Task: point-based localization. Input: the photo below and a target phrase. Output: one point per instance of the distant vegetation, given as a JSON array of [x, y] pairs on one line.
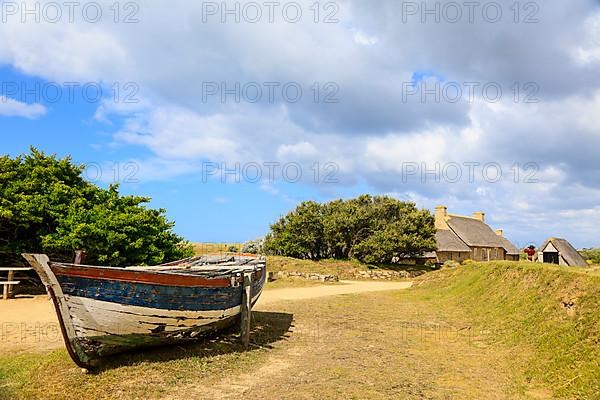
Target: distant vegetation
[[592, 255], [253, 246], [46, 206], [375, 230]]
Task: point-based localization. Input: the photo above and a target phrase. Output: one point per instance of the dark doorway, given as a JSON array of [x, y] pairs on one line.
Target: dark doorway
[[551, 257]]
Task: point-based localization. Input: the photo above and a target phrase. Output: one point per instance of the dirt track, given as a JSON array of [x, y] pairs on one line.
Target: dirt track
[[30, 324], [347, 287]]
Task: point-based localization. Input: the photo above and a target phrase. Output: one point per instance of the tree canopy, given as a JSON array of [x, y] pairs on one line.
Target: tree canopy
[[373, 229], [47, 206]]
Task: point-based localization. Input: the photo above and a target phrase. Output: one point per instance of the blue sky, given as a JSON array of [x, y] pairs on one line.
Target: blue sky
[[358, 117], [217, 209]]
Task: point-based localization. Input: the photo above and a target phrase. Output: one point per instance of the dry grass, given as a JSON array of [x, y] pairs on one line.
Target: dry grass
[[593, 269], [551, 309], [371, 346]]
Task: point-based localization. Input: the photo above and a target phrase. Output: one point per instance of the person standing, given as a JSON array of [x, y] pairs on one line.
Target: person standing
[[530, 251]]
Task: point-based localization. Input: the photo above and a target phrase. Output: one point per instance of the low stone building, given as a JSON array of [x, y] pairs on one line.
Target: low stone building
[[560, 251], [462, 238]]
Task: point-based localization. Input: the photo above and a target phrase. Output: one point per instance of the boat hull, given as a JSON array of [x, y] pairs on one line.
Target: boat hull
[[105, 311]]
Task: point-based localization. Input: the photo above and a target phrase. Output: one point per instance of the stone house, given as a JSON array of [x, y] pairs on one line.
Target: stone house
[[462, 238]]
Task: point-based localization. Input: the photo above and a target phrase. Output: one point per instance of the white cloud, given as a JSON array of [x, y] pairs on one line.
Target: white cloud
[[372, 129], [175, 133], [363, 39], [13, 108], [302, 150], [589, 51]]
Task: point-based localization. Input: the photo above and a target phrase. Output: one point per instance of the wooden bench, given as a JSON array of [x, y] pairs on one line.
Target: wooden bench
[[10, 282]]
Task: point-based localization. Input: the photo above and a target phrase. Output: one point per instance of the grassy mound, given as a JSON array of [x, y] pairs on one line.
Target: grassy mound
[[555, 311], [345, 269]]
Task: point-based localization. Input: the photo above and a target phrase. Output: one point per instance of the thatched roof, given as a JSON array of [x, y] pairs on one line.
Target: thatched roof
[[448, 241], [456, 233], [566, 251], [474, 232], [509, 247]]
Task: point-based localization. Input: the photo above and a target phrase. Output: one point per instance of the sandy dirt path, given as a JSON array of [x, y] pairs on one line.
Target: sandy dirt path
[[311, 292], [30, 324]]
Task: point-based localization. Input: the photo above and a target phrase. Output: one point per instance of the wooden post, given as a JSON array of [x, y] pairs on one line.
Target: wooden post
[[11, 277], [79, 257], [5, 292], [246, 310]]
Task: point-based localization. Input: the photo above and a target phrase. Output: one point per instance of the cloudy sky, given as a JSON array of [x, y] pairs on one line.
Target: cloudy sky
[[227, 115]]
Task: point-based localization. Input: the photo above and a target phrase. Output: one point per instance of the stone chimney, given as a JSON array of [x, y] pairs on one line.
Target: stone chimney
[[479, 215], [441, 212], [499, 232]]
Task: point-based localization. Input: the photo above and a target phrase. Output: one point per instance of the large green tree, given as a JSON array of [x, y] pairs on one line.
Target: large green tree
[[46, 206], [300, 233], [373, 229]]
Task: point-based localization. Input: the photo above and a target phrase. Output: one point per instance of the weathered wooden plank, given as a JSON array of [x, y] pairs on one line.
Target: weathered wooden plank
[[246, 310], [91, 317], [129, 275]]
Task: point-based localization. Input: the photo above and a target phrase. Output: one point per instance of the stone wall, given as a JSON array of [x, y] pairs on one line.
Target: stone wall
[[374, 274], [384, 274]]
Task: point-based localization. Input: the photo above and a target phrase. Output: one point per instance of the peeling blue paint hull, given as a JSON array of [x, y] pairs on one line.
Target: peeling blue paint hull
[[105, 311]]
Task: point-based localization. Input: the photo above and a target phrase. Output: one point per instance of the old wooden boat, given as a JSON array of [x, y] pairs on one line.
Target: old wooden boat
[[105, 310]]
